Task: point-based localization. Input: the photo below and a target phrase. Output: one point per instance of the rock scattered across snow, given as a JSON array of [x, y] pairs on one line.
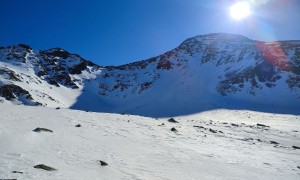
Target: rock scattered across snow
[[135, 150]]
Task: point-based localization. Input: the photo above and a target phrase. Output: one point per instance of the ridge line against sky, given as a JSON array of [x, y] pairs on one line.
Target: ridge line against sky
[[115, 32]]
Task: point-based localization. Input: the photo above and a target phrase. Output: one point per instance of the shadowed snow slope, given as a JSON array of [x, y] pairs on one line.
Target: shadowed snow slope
[[206, 72], [220, 144]]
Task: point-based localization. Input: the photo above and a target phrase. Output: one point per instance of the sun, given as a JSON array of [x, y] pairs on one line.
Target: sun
[[240, 10]]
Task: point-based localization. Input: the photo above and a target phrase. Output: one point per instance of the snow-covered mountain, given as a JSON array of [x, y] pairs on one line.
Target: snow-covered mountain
[[205, 72]]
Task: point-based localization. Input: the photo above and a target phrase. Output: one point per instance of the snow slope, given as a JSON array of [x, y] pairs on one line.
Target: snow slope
[[218, 144]]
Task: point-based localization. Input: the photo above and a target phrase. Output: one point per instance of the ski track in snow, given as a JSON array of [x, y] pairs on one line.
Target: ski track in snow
[[137, 147]]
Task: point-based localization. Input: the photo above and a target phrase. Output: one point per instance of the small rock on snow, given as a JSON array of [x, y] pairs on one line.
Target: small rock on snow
[[213, 131], [17, 172], [262, 125], [44, 167], [172, 120], [102, 163], [38, 129], [274, 142]]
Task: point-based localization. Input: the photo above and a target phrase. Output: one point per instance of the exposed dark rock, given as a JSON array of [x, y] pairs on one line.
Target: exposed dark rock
[[10, 90], [42, 129], [66, 80], [173, 129], [25, 46], [164, 64], [78, 125], [78, 68], [10, 74], [293, 82], [44, 167], [234, 81], [102, 163], [53, 82], [57, 52], [172, 120], [295, 147], [57, 108], [41, 73], [145, 86]]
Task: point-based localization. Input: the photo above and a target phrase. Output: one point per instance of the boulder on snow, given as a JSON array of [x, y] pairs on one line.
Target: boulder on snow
[[44, 167], [173, 129], [172, 120], [78, 125], [38, 129], [102, 163]]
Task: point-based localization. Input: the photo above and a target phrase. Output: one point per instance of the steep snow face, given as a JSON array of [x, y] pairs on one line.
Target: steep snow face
[[219, 144], [205, 72]]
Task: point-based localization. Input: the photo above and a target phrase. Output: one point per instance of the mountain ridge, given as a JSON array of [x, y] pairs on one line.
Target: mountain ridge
[[204, 72]]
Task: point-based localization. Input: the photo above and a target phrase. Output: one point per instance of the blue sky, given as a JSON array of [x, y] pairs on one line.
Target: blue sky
[[114, 32]]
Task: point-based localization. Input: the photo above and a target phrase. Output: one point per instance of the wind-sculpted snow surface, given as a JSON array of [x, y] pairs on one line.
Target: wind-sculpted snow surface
[[203, 73], [219, 144]]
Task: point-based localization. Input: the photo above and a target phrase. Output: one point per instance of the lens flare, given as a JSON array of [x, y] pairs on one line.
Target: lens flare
[[240, 10]]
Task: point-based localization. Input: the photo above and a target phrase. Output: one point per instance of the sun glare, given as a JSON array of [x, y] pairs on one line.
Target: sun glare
[[240, 10]]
